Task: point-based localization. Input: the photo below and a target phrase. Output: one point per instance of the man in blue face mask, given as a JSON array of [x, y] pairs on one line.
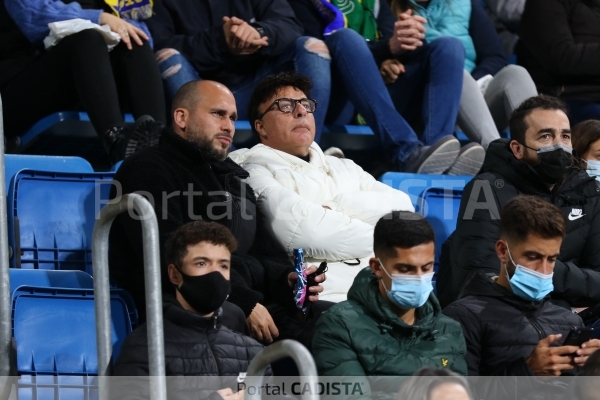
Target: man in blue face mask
[[511, 327], [391, 323]]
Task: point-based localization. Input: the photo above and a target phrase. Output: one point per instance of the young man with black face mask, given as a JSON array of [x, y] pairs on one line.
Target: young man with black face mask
[[196, 343], [537, 161], [391, 324], [510, 326]]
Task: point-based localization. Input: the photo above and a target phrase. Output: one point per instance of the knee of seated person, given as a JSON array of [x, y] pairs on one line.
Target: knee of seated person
[[164, 54], [90, 38], [515, 72], [448, 45], [346, 35], [172, 55], [318, 47]]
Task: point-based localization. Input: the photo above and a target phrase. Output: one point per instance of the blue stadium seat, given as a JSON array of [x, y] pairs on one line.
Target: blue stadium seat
[[17, 162], [415, 184], [50, 278], [51, 217]]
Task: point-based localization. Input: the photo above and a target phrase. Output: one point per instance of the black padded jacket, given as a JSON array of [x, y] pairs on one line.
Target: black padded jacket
[[471, 247]]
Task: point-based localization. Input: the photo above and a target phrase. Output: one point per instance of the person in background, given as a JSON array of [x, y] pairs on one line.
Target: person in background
[[587, 385], [560, 47], [506, 15], [80, 72], [435, 384], [491, 89], [586, 144]]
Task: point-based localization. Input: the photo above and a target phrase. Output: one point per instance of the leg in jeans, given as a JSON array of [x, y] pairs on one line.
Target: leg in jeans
[[354, 63], [474, 116], [509, 88], [434, 74], [175, 70], [581, 110], [307, 56], [138, 80], [75, 72]]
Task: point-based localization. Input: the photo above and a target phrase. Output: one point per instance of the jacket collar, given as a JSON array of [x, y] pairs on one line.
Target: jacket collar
[[193, 155], [268, 155], [365, 291], [175, 313]]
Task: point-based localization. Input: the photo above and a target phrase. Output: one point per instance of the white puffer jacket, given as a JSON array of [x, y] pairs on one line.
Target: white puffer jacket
[[293, 194]]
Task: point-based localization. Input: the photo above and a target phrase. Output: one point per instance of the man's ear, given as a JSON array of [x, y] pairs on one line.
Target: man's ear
[[260, 128], [502, 251], [518, 149], [375, 266], [180, 118], [174, 275]]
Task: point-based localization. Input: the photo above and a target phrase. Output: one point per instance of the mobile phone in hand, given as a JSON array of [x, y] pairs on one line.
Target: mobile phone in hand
[[578, 336]]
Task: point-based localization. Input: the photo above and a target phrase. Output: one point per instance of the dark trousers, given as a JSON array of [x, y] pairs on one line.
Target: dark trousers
[[80, 72]]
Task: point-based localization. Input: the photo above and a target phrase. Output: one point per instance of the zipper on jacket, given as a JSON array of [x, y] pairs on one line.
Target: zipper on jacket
[[211, 350], [537, 327]]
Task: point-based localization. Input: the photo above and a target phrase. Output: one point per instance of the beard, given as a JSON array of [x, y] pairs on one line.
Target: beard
[[530, 157], [210, 152]]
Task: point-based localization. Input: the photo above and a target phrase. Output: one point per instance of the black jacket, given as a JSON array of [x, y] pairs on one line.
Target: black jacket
[[560, 47], [490, 55], [195, 29], [184, 188], [502, 329], [194, 346], [472, 246]]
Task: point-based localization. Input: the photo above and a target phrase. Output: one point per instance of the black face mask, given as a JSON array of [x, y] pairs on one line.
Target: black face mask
[[553, 164], [205, 293]]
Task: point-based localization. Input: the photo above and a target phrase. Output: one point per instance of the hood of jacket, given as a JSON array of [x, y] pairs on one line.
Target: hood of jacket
[[365, 291]]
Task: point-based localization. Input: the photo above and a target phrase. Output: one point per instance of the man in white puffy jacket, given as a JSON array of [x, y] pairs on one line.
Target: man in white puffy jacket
[[325, 205]]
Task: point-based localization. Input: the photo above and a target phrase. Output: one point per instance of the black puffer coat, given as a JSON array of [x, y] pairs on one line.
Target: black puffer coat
[[194, 346], [472, 246]]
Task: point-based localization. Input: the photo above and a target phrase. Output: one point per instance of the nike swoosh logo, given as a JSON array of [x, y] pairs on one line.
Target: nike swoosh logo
[[574, 217]]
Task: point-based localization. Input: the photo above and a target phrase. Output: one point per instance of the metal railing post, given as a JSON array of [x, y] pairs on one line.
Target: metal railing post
[[5, 295], [285, 348], [152, 273]]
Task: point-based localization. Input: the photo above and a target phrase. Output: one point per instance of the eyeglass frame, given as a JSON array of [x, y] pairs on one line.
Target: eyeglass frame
[[296, 102]]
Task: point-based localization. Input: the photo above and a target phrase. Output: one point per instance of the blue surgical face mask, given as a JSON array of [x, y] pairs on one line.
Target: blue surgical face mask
[[528, 284], [593, 169], [408, 291]]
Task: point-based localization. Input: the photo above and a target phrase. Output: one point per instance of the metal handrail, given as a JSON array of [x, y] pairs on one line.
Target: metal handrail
[[156, 351], [285, 348], [6, 353]]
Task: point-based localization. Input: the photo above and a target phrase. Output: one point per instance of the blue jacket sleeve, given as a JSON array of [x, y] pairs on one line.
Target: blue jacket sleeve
[[33, 16], [490, 54]]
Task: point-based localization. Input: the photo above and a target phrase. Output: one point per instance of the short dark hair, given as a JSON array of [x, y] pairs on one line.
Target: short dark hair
[[526, 215], [269, 86], [402, 229], [517, 123], [186, 96], [584, 135], [193, 233]]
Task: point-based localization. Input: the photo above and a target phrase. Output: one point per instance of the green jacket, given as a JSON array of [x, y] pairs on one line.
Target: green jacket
[[364, 337]]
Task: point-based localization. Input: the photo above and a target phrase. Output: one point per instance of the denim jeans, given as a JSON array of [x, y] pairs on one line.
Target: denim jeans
[[357, 79], [428, 93], [296, 57]]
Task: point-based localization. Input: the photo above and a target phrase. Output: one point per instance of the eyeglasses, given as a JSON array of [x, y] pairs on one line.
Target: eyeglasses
[[286, 105]]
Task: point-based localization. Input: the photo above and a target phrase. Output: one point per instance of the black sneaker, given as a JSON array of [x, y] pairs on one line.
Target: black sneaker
[[434, 159], [121, 142], [469, 160]]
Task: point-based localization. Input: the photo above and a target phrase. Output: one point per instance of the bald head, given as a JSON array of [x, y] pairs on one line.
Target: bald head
[[190, 94]]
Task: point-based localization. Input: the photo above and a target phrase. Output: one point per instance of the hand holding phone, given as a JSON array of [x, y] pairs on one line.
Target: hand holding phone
[[578, 336]]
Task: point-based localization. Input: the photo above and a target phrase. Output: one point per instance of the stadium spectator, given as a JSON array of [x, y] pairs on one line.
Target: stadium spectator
[[237, 44], [588, 384], [188, 177], [426, 95], [560, 47], [491, 89], [392, 324], [586, 144], [80, 71], [510, 325], [325, 205], [435, 384], [506, 15], [196, 342], [537, 161]]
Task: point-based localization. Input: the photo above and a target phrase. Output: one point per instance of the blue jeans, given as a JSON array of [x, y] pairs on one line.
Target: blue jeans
[[296, 57], [357, 79], [428, 93]]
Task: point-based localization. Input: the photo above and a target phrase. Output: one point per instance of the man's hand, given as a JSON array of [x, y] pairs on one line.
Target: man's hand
[[585, 351], [241, 38], [409, 32], [261, 324], [228, 394], [551, 361], [390, 70], [313, 291]]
